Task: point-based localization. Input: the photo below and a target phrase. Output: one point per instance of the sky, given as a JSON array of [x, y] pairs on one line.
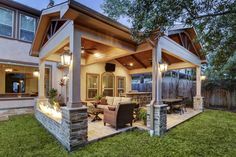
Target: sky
[[93, 4]]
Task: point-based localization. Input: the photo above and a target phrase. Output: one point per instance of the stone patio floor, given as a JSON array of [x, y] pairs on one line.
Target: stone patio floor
[[97, 131]]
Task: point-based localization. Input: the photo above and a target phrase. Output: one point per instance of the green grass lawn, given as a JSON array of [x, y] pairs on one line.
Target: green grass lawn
[[212, 133]]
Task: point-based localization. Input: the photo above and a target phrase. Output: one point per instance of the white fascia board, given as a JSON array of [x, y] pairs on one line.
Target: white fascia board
[[174, 49], [61, 37]]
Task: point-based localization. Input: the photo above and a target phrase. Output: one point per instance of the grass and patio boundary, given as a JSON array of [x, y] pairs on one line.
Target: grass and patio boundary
[[212, 133]]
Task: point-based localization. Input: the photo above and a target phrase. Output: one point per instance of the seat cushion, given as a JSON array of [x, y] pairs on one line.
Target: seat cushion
[[116, 101], [102, 106], [109, 100], [126, 99]]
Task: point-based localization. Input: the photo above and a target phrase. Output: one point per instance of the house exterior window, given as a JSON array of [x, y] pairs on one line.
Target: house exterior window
[[92, 85], [21, 80], [120, 88], [108, 83], [27, 28], [6, 22]]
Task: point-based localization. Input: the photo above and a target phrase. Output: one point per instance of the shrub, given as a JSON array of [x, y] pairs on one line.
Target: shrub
[[52, 96], [142, 115]]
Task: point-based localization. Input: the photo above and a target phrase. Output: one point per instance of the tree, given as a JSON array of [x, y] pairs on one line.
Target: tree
[[214, 20]]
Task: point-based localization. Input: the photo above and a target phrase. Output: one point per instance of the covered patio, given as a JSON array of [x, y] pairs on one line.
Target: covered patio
[[82, 41], [97, 131]]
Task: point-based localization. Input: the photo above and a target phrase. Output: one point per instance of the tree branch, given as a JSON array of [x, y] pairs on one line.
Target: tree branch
[[216, 14]]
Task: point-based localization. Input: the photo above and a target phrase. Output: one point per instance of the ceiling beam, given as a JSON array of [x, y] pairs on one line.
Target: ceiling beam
[[122, 64], [181, 39], [143, 47], [139, 61], [175, 66], [166, 59], [192, 43]]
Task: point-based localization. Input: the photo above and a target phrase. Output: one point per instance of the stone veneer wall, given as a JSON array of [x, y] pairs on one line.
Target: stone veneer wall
[[71, 131], [198, 103], [160, 119]]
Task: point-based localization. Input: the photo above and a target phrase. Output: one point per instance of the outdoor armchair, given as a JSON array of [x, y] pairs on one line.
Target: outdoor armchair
[[120, 116]]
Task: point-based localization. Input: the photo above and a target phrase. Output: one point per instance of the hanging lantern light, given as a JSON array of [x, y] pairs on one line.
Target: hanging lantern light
[[203, 77], [163, 67], [36, 74], [66, 58]]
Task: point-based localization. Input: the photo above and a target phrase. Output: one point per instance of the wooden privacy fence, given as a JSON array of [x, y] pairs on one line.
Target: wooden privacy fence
[[217, 97], [171, 87], [220, 98]]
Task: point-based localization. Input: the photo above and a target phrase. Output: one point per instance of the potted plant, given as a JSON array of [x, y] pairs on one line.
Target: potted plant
[[98, 98], [142, 115], [52, 96]]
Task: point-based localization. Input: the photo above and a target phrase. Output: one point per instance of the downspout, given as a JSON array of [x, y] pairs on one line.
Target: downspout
[[154, 84]]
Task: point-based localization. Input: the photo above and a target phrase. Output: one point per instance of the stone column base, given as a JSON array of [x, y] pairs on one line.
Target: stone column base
[[75, 125], [159, 119], [198, 103]]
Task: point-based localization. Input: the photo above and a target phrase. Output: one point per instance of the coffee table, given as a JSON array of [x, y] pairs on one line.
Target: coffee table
[[95, 112]]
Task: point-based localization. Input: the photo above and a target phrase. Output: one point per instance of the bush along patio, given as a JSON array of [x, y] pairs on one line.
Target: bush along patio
[[211, 133]]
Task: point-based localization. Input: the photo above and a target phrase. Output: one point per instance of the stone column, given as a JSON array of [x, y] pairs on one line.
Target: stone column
[[198, 99], [156, 111], [74, 126]]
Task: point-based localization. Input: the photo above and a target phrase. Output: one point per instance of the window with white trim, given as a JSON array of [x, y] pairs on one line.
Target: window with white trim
[[120, 87], [92, 85], [27, 27], [108, 83], [6, 22]]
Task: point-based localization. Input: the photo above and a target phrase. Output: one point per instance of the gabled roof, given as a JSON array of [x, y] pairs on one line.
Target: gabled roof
[[191, 33], [82, 16], [86, 18]]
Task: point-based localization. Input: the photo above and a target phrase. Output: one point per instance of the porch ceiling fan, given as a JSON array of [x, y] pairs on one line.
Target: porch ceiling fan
[[88, 50]]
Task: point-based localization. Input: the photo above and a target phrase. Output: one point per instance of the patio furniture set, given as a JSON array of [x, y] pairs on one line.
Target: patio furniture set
[[119, 111]]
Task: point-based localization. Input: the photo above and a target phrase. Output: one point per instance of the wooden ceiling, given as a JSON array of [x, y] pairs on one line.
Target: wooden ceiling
[[187, 39], [144, 60], [131, 62]]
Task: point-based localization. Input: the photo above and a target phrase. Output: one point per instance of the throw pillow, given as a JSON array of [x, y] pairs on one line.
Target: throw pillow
[[111, 108]]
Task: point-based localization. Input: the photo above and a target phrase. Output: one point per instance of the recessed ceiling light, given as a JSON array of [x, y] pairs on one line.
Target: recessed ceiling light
[[8, 70], [98, 55], [131, 64]]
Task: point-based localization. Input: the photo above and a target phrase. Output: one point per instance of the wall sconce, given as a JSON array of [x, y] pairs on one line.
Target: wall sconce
[[203, 77], [36, 74], [66, 59], [163, 67]]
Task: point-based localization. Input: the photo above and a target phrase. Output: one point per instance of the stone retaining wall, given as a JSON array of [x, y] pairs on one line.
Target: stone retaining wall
[[71, 131]]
